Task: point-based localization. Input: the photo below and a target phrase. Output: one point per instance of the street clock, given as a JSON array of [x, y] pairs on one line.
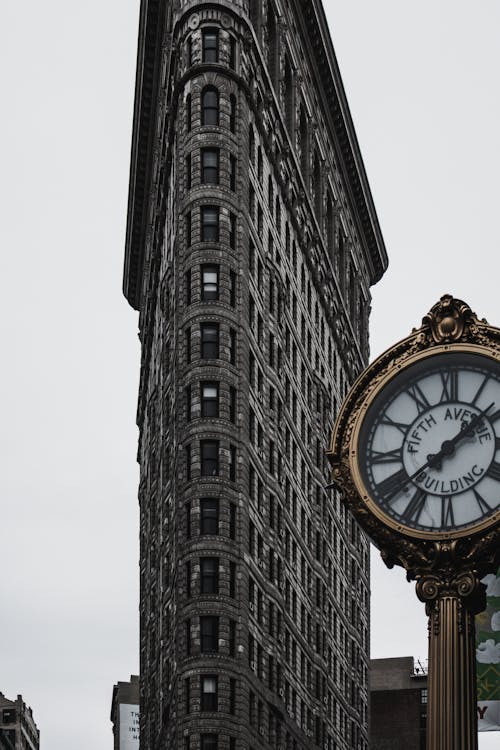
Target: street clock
[[415, 453]]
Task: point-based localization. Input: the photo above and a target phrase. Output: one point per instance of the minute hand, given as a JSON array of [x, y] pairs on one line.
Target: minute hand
[[448, 446]]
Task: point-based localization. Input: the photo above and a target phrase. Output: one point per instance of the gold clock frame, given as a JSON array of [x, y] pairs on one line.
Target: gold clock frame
[[447, 566], [357, 416]]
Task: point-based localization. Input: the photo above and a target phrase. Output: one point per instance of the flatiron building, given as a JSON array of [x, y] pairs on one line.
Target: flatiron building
[[252, 242]]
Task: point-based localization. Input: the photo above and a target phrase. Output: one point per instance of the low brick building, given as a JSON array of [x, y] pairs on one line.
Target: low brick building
[[398, 694]]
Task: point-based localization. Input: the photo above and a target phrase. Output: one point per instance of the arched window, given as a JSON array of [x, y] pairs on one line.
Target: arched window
[[232, 113], [209, 106]]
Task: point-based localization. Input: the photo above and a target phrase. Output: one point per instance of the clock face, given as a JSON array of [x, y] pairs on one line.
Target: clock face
[[429, 445]]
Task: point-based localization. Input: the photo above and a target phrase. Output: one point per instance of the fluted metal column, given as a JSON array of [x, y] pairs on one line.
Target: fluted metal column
[[451, 603]]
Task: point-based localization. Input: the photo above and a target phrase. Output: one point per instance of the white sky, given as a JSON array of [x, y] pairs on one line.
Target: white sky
[[422, 83]]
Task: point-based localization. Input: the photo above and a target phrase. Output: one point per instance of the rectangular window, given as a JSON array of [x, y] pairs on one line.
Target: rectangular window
[[209, 634], [232, 346], [232, 463], [232, 637], [232, 521], [209, 741], [188, 462], [232, 172], [232, 404], [209, 450], [188, 345], [188, 172], [209, 223], [209, 340], [210, 49], [188, 229], [232, 288], [232, 580], [232, 231], [188, 519], [210, 166], [188, 579], [209, 700], [187, 694], [209, 515], [209, 283], [209, 399], [232, 52], [209, 575], [187, 284]]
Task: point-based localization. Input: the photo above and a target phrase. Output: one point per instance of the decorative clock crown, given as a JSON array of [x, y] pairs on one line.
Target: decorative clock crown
[[450, 320]]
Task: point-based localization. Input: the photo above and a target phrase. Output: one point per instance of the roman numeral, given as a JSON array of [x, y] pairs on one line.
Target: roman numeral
[[387, 457], [415, 507], [494, 471], [386, 420], [483, 505], [480, 389], [392, 485], [416, 393], [447, 517], [450, 386]]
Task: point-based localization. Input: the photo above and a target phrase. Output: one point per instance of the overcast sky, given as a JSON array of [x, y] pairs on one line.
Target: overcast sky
[[422, 80]]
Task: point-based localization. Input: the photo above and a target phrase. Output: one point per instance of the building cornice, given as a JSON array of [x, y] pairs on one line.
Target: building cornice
[[149, 57], [356, 180]]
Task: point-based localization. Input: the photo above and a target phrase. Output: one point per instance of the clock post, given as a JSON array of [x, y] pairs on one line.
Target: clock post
[[415, 453]]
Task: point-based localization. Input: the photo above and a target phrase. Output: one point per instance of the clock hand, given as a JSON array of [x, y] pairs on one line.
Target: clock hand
[[448, 446]]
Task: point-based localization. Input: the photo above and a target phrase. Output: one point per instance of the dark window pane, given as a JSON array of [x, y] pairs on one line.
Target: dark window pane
[[209, 693], [209, 515], [209, 458], [209, 575], [210, 46], [232, 172], [210, 106], [232, 346], [209, 399], [209, 340], [209, 634], [208, 742], [232, 231], [210, 166], [209, 223]]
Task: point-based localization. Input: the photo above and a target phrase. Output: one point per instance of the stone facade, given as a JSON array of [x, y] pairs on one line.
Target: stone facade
[[252, 243]]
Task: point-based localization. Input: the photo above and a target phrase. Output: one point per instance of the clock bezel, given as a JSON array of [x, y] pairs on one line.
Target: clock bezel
[[362, 408]]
